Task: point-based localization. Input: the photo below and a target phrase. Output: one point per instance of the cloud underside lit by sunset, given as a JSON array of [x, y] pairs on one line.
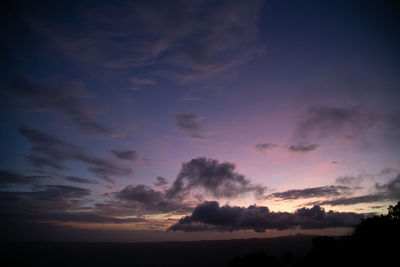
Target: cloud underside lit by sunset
[[191, 120]]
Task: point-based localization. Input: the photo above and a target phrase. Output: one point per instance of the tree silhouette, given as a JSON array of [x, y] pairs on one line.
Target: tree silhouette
[[394, 212], [375, 242]]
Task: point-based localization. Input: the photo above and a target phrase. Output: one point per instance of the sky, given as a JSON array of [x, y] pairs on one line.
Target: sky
[[130, 121]]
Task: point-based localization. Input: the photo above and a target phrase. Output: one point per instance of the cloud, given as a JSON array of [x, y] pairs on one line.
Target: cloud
[[7, 177], [195, 36], [53, 204], [148, 199], [348, 180], [84, 217], [303, 147], [79, 180], [219, 179], [389, 191], [209, 216], [139, 83], [265, 146], [161, 181], [126, 154], [323, 191], [43, 198], [67, 101], [322, 121], [188, 124], [207, 175], [49, 151]]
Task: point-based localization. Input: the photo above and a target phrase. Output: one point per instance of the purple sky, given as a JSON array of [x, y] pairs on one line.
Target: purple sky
[[187, 120]]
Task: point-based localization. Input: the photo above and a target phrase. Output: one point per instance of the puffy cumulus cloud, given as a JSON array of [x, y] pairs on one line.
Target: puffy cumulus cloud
[[219, 179], [189, 124], [322, 121], [49, 151], [126, 154], [145, 199], [265, 146], [208, 175], [381, 192], [303, 147], [68, 101], [209, 216], [323, 191]]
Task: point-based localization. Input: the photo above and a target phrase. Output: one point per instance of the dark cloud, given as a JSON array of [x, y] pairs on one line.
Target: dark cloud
[[126, 154], [209, 216], [323, 191], [189, 37], [161, 181], [79, 180], [389, 191], [303, 147], [43, 198], [326, 120], [49, 151], [84, 217], [348, 180], [377, 207], [352, 200], [148, 199], [7, 177], [189, 124], [53, 204], [219, 179], [67, 101], [265, 146]]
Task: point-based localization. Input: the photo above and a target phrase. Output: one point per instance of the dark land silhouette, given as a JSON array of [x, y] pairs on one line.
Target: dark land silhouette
[[375, 241]]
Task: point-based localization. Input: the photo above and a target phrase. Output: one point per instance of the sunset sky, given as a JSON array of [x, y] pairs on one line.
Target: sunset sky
[[187, 120]]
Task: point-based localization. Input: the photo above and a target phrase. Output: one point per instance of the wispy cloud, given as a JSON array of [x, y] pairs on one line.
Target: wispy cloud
[[265, 146], [132, 155], [67, 101], [321, 121], [79, 180], [195, 37], [303, 147], [381, 192], [189, 124], [140, 83], [161, 181], [322, 191], [50, 151], [7, 177]]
